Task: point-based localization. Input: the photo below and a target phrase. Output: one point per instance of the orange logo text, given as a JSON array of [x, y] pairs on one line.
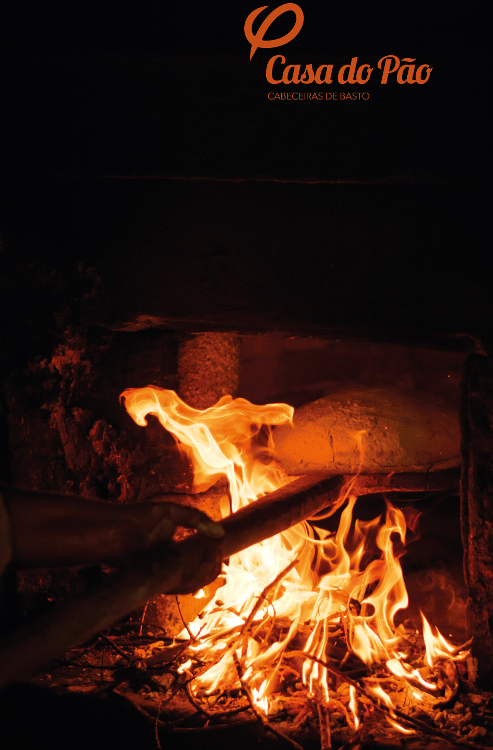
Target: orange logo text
[[393, 69]]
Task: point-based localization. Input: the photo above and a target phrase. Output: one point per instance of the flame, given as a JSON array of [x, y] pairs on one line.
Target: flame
[[217, 440], [260, 698], [412, 676], [184, 666], [437, 647], [353, 705], [386, 700], [329, 592]]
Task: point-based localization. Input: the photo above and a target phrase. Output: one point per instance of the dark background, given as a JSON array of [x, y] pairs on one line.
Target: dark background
[[140, 143], [161, 89]]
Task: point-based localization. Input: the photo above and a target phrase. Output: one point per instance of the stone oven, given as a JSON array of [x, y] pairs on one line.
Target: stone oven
[[218, 255]]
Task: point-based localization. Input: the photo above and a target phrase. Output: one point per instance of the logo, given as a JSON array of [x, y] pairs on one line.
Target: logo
[[405, 70], [257, 40]]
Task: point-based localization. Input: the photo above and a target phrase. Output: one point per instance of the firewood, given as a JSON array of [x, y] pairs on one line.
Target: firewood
[[259, 715]]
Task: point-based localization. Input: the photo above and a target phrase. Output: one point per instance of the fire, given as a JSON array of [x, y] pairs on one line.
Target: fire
[[412, 676], [312, 586]]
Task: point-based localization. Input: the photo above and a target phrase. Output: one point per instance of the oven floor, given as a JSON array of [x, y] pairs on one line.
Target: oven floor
[[32, 716]]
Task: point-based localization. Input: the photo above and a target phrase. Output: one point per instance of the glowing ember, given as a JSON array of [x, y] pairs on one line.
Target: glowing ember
[[385, 699], [335, 588]]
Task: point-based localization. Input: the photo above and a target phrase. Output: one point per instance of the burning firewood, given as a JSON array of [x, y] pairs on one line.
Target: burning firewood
[[305, 621]]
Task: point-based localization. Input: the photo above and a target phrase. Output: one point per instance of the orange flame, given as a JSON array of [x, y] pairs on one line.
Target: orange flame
[[353, 705], [217, 440], [437, 647], [184, 667], [412, 676]]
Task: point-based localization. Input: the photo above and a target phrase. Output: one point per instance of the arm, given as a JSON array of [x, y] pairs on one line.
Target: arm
[[52, 530]]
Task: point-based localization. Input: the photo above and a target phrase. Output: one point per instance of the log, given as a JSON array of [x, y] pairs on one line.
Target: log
[[179, 567], [208, 368], [279, 511], [408, 481], [301, 499]]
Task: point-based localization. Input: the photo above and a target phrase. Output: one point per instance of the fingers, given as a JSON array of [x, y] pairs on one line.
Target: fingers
[[191, 518], [200, 568]]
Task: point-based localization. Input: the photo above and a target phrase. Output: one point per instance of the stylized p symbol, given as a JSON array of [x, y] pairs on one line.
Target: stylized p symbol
[[257, 40]]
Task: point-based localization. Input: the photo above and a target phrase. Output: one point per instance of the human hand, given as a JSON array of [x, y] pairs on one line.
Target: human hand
[[166, 516], [150, 527]]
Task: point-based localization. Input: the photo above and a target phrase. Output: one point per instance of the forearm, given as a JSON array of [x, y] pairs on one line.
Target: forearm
[[52, 530]]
